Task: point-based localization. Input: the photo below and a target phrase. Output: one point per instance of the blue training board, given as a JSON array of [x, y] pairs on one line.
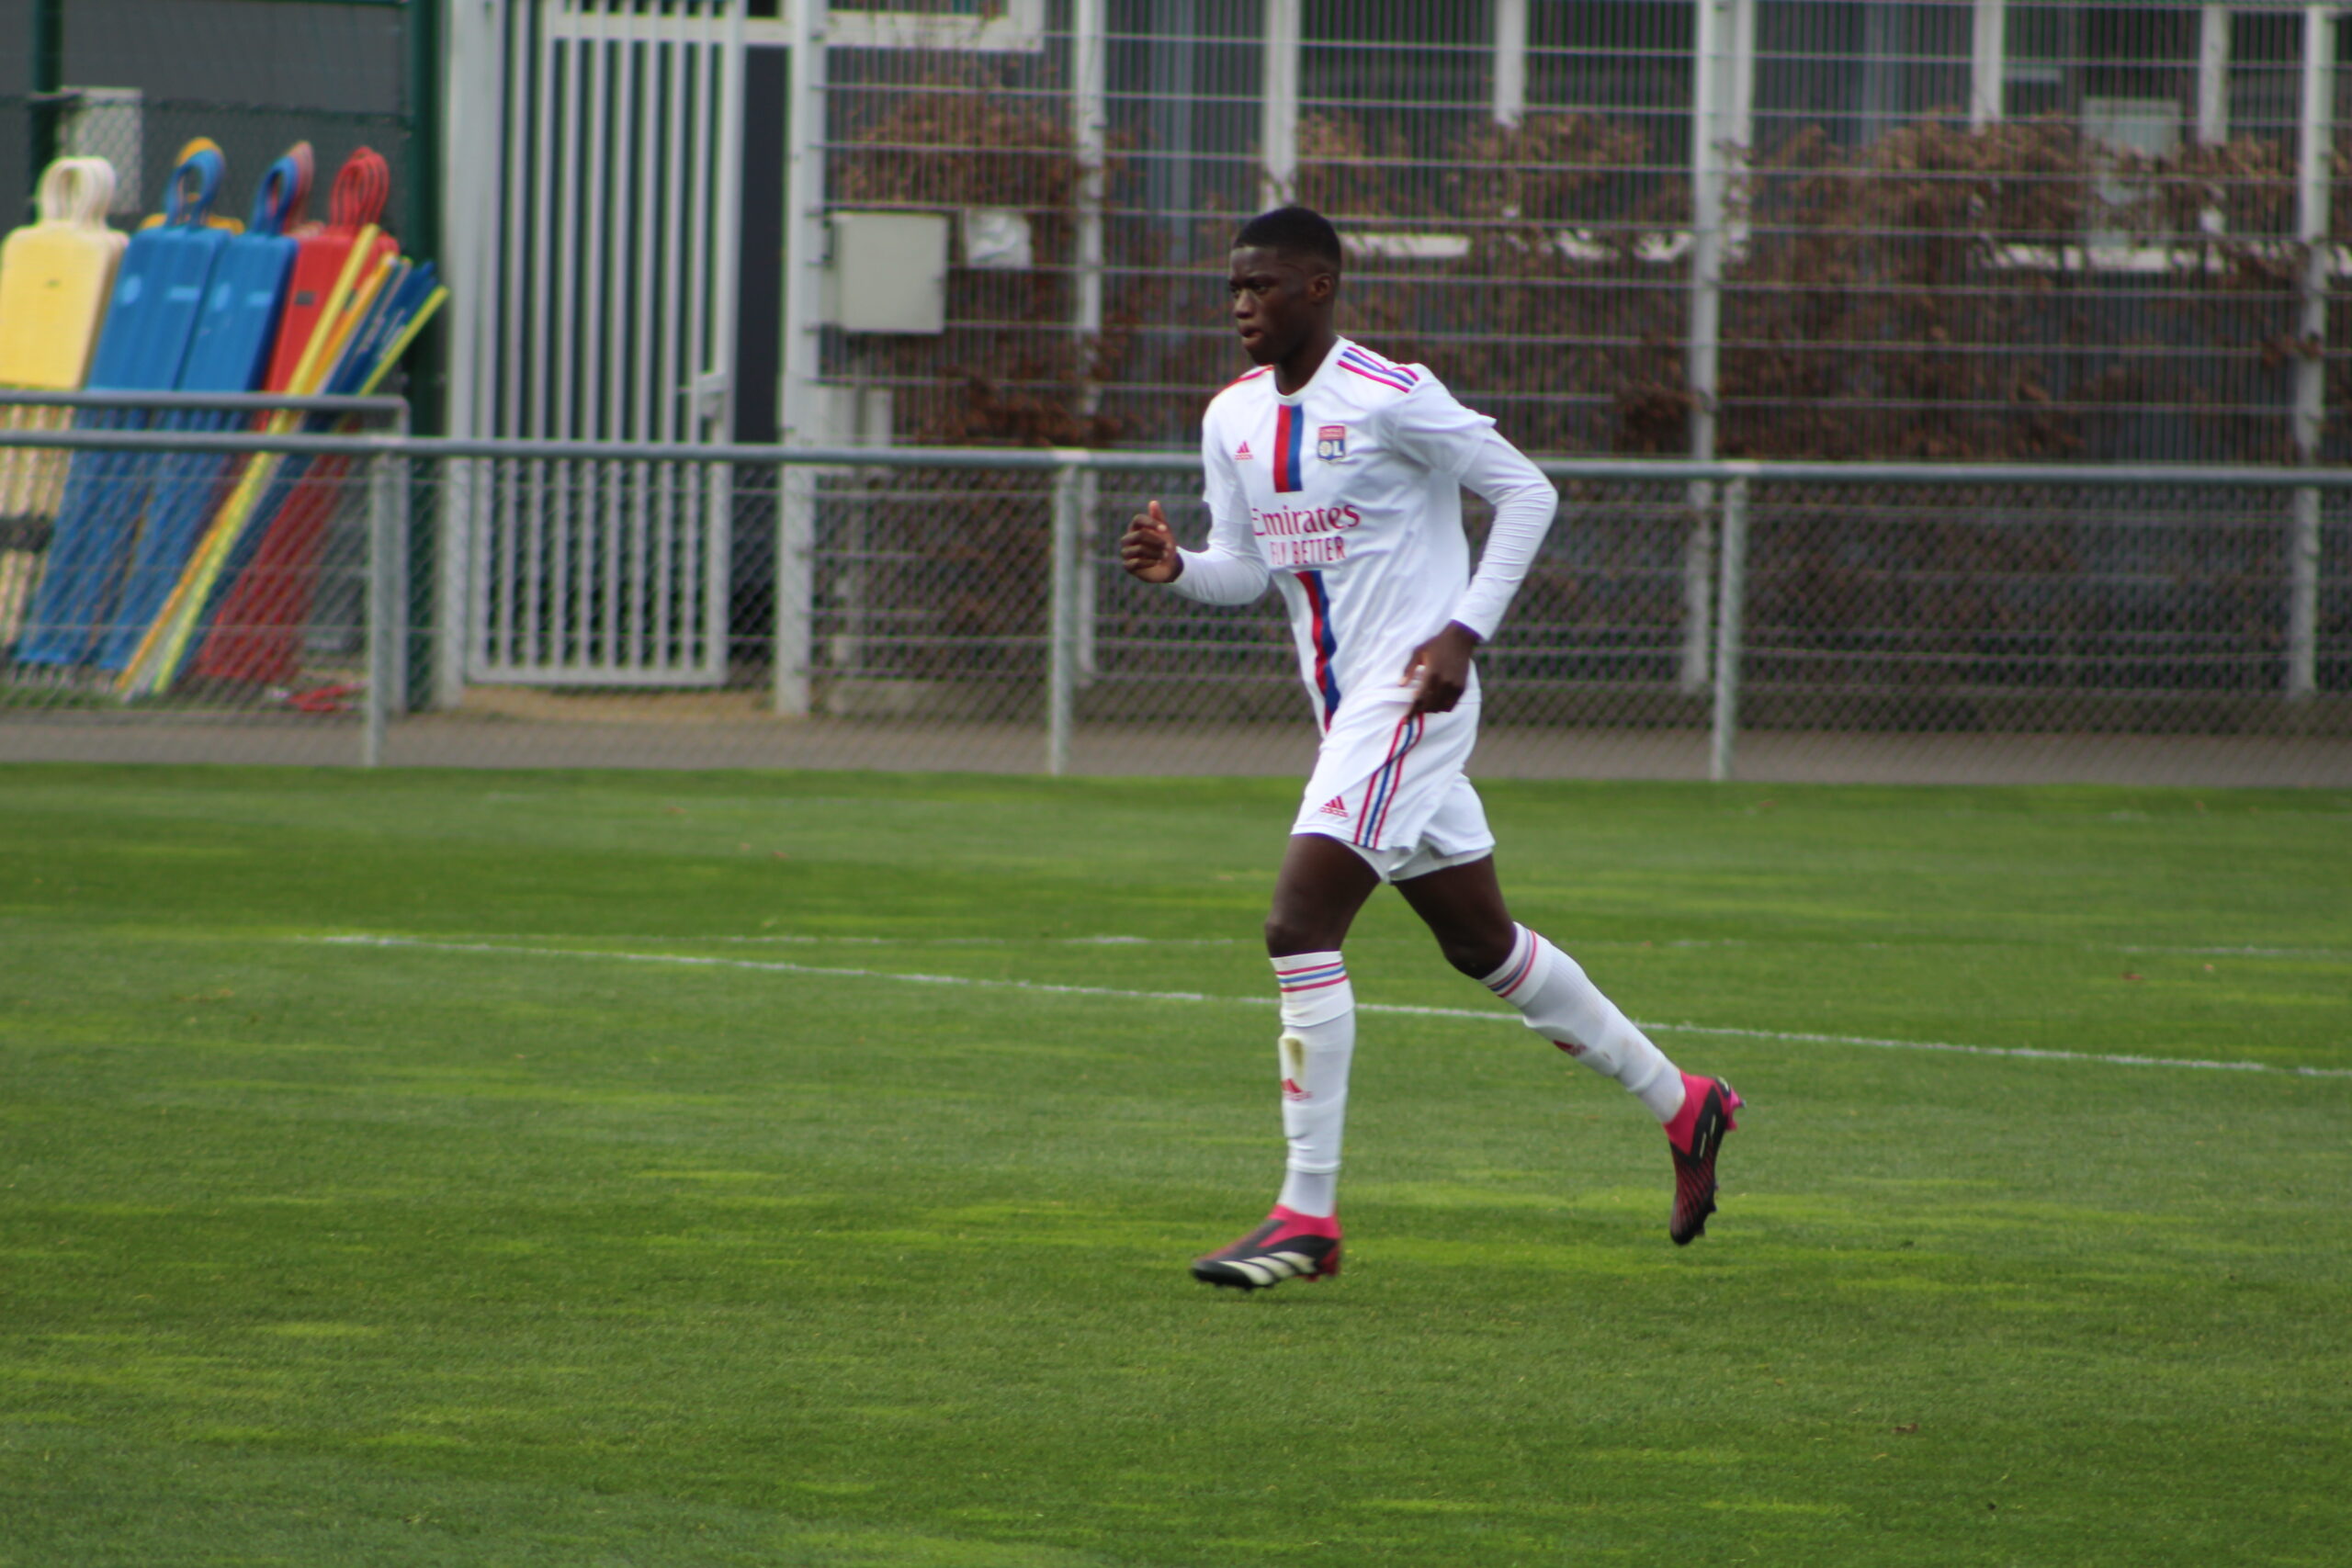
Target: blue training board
[[229, 352]]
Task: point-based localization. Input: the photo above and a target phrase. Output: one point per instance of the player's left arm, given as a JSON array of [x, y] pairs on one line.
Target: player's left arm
[[1429, 425]]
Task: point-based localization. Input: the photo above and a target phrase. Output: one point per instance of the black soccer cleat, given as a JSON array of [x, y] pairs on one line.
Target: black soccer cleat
[[1289, 1246], [1695, 1134]]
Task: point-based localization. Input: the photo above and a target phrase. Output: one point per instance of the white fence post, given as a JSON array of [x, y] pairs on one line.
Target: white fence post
[[1278, 104], [804, 260], [2212, 75], [2302, 596], [796, 551], [477, 77], [1062, 617], [1091, 127], [1722, 95], [2312, 155], [1510, 62], [387, 598], [1988, 50], [1729, 604]]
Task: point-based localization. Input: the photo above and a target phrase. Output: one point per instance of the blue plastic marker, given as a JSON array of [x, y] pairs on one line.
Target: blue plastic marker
[[402, 296], [229, 352]]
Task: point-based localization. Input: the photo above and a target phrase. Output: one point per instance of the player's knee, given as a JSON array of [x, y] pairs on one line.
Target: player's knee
[[1476, 953], [1287, 933]]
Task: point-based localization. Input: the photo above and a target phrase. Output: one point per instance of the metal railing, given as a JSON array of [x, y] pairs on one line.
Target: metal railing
[[920, 590]]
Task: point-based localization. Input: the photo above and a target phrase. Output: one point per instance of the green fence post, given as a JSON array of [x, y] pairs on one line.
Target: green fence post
[[428, 375], [49, 79]]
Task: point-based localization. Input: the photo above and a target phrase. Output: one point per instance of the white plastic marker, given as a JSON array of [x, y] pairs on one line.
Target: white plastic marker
[[1481, 1015]]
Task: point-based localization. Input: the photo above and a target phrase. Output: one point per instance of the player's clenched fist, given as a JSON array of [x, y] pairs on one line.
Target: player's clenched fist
[[1148, 547]]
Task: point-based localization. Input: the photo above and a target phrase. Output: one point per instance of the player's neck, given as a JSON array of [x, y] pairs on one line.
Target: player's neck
[[1294, 370]]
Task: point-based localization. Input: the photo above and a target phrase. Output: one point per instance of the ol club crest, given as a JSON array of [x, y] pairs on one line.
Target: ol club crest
[[1331, 443]]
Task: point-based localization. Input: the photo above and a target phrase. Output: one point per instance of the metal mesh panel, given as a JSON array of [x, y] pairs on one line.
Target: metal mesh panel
[[2042, 607], [256, 79], [1941, 230], [279, 655], [1923, 229], [1913, 623]]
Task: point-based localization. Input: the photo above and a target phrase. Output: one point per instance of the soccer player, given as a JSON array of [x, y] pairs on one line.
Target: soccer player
[[1337, 474]]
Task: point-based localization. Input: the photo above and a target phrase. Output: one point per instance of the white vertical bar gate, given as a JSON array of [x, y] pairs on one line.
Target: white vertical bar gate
[[608, 314]]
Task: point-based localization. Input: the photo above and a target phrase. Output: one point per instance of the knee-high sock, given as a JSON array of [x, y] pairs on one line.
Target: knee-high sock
[[1550, 989], [1319, 1040]]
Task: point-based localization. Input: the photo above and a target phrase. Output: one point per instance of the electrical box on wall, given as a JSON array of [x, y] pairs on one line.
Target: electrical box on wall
[[887, 273]]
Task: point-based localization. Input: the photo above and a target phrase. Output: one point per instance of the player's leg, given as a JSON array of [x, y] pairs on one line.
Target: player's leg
[[1462, 906], [1322, 884], [1320, 887]]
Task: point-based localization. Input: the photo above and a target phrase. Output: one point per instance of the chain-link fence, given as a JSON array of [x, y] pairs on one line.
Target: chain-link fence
[[170, 570], [135, 81], [1941, 229], [965, 610]]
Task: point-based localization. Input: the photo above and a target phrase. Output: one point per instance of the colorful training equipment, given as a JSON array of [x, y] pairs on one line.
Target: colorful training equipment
[[159, 294], [210, 220], [229, 352], [361, 187], [256, 636], [55, 275], [375, 309]]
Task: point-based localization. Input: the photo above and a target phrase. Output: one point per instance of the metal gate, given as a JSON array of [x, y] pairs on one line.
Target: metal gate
[[595, 159]]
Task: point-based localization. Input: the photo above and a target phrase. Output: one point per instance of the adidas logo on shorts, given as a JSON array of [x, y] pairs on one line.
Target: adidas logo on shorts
[[1335, 807]]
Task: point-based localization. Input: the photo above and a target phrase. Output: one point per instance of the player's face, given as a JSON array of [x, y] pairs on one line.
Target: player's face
[[1277, 302]]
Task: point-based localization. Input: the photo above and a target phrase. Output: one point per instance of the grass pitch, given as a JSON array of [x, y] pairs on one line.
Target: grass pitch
[[640, 1207]]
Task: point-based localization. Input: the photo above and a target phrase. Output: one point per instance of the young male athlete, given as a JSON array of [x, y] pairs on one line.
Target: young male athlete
[[1337, 474]]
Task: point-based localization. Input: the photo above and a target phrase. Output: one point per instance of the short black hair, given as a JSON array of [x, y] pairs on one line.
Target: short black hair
[[1299, 231]]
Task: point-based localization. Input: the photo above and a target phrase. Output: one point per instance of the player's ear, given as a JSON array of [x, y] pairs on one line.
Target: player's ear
[[1322, 285]]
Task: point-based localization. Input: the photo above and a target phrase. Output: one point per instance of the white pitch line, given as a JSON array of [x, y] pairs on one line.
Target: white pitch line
[[1478, 1015]]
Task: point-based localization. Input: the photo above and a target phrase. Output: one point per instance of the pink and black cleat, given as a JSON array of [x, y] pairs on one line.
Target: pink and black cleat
[[1289, 1246], [1695, 1136]]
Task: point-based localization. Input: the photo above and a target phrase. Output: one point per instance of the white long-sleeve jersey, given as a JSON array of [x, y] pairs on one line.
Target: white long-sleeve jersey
[[1348, 494]]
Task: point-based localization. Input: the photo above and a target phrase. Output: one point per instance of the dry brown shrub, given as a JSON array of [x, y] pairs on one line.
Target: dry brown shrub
[[1520, 318], [1008, 370]]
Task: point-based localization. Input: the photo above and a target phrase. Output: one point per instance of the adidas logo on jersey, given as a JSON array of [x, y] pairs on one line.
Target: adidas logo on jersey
[[1242, 455], [1335, 807]]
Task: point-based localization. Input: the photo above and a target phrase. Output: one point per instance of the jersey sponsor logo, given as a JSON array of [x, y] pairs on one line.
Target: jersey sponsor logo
[[1242, 455], [1335, 807], [1323, 549], [1291, 520], [1331, 443]]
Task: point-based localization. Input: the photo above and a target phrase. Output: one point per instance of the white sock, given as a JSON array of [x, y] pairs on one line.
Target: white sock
[[1559, 1003], [1319, 1040], [1315, 1192]]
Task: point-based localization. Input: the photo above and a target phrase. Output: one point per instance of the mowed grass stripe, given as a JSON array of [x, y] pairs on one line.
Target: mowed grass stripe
[[780, 966], [323, 1257]]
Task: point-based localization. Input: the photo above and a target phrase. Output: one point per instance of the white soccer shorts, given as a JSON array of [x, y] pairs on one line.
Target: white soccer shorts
[[1391, 788]]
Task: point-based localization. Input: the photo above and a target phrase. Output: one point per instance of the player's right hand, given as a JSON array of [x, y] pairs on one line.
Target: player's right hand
[[1148, 548]]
